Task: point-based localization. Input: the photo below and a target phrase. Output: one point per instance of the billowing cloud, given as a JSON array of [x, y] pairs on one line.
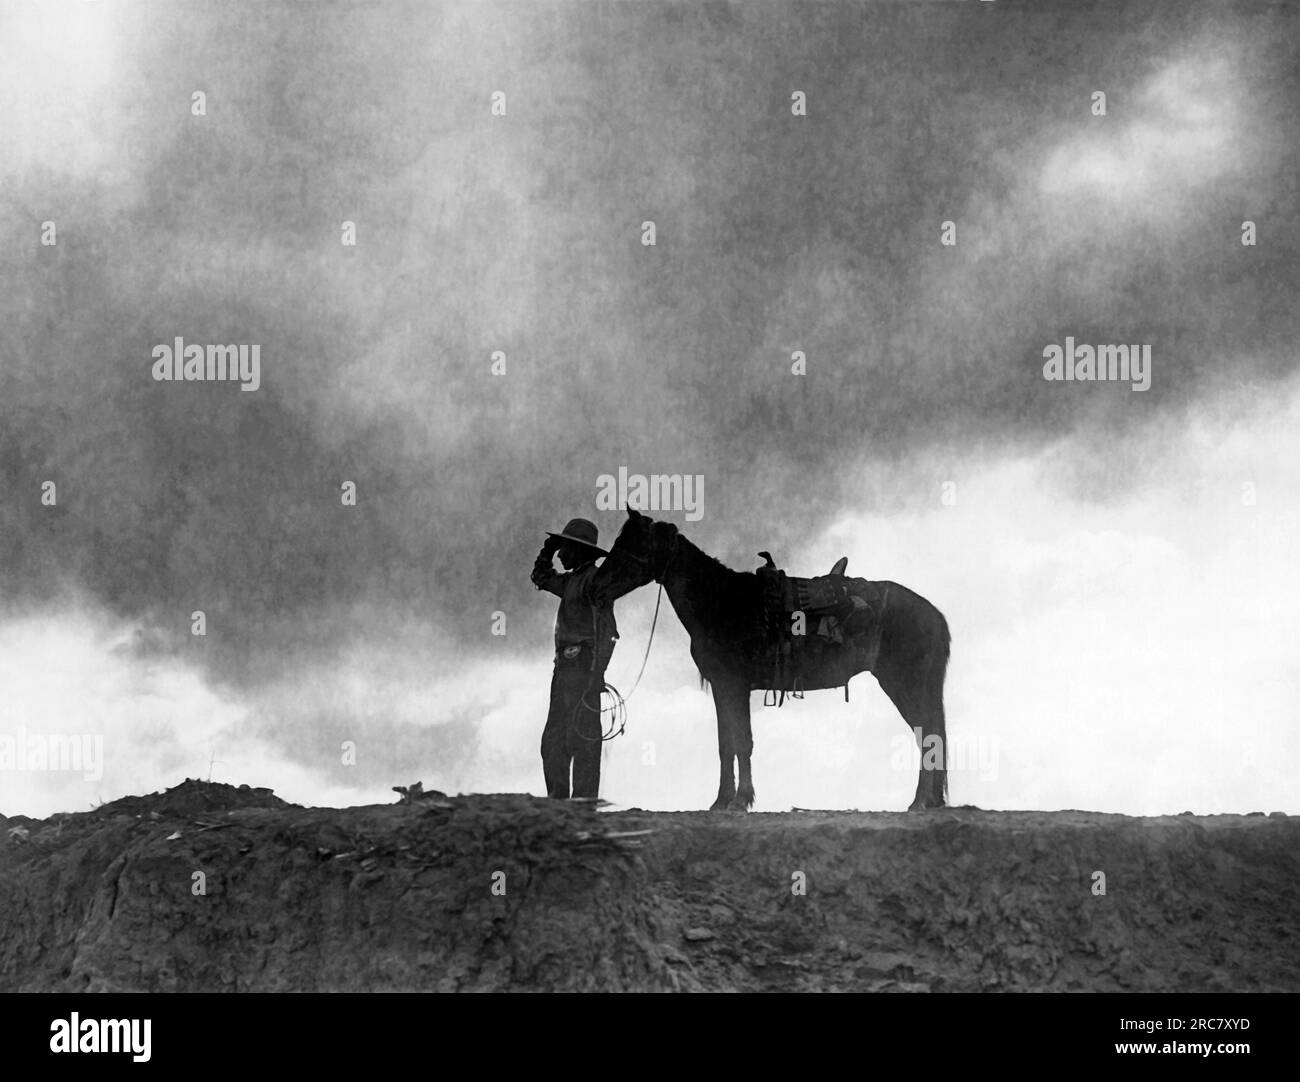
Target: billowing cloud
[[521, 233]]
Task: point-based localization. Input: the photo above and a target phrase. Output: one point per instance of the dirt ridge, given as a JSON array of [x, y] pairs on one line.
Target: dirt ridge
[[510, 892]]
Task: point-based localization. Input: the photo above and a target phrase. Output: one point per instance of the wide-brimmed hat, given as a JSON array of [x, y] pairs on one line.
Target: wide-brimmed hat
[[580, 532]]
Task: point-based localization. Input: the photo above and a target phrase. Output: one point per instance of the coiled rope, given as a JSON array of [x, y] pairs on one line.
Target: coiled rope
[[618, 704]]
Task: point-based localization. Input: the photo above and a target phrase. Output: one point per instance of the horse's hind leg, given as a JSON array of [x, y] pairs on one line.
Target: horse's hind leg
[[932, 782], [922, 712], [744, 798]]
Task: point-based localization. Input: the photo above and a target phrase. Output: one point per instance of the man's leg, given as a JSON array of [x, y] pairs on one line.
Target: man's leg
[[586, 744], [555, 751]]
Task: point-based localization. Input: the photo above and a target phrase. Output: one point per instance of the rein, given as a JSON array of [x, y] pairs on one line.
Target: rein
[[658, 598], [618, 710]]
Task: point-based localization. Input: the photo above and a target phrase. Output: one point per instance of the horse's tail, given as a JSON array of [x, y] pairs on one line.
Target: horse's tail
[[938, 673]]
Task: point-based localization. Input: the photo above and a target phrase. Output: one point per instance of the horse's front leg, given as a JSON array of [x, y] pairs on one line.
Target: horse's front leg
[[725, 705], [735, 743]]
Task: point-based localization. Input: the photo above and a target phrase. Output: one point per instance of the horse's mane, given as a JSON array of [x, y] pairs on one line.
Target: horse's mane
[[712, 563], [723, 588]]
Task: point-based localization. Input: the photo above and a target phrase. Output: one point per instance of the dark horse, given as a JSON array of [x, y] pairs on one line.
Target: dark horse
[[721, 609]]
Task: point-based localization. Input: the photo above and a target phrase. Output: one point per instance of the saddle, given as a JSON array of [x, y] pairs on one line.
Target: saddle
[[834, 615]]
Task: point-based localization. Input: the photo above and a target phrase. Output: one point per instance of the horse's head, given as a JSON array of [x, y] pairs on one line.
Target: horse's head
[[645, 547]]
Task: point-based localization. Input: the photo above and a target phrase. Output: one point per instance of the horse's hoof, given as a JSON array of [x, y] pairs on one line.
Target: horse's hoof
[[922, 805], [738, 804], [721, 804]]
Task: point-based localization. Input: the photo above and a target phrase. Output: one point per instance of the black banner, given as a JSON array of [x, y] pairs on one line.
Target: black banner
[[306, 1031]]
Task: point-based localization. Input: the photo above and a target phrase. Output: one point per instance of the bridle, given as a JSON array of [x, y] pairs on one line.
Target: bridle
[[644, 561]]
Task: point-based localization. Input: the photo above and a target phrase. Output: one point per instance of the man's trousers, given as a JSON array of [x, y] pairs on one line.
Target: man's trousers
[[572, 734]]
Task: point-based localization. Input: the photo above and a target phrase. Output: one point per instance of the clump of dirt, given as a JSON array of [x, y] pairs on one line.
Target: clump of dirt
[[193, 797], [212, 887]]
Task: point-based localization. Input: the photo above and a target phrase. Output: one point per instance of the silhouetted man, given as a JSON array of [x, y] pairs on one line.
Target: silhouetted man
[[584, 642]]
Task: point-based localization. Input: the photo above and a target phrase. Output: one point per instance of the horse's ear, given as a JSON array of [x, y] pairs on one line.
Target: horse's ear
[[634, 515]]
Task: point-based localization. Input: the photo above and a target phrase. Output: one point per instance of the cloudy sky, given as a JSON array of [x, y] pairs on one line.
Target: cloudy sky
[[1118, 567]]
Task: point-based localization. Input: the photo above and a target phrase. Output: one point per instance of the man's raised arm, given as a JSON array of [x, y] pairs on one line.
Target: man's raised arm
[[544, 575]]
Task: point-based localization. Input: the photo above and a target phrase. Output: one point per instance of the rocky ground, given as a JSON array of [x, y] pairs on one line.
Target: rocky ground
[[510, 892]]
